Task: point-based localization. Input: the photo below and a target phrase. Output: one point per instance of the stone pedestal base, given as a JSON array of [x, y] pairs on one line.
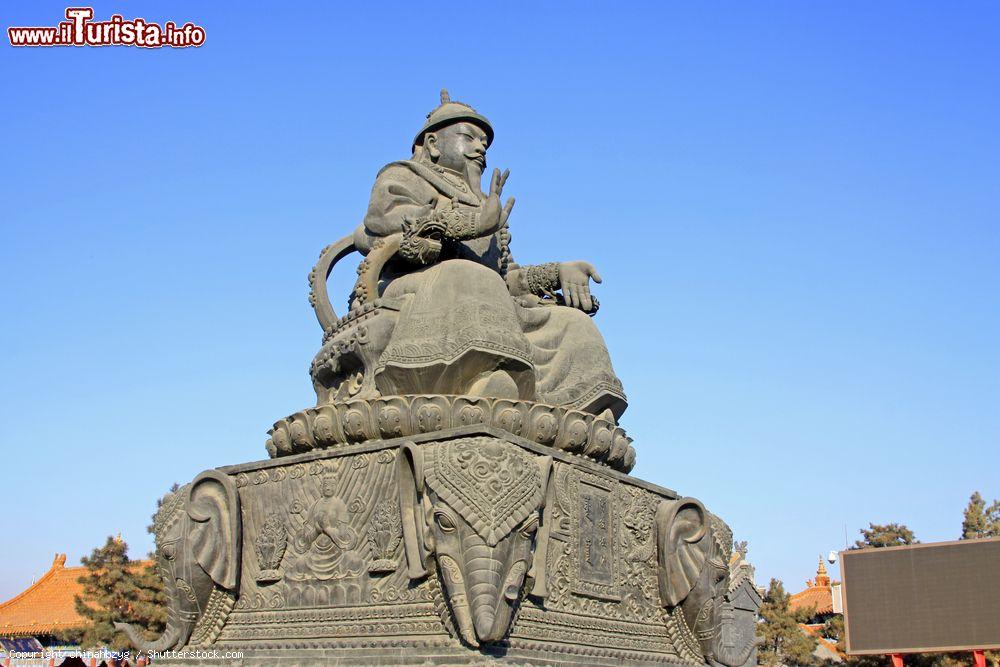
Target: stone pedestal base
[[419, 656], [464, 546]]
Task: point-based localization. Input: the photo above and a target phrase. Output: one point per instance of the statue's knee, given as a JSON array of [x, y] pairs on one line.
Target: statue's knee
[[466, 272], [574, 317]]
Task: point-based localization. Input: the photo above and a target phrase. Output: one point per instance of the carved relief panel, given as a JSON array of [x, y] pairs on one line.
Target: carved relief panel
[[322, 533], [324, 559], [600, 568]]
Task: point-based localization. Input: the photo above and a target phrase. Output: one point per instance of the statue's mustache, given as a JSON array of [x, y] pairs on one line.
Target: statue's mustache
[[476, 157]]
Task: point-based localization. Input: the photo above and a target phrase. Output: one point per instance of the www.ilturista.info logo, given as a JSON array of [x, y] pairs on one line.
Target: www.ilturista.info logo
[[80, 30]]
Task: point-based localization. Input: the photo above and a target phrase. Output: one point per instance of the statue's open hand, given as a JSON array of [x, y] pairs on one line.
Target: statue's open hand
[[574, 281], [493, 216]]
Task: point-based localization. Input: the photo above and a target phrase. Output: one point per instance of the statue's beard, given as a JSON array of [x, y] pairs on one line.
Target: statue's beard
[[474, 172], [472, 169]]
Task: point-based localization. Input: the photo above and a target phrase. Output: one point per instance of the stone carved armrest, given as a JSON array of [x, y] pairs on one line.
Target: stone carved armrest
[[366, 288], [344, 366]]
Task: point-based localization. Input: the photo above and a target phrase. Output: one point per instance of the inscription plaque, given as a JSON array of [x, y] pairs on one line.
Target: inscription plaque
[[595, 535], [596, 556]]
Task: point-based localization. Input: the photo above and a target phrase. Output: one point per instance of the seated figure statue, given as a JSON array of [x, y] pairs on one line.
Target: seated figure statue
[[440, 307]]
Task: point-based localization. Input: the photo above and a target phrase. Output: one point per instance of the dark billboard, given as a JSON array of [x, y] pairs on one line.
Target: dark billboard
[[923, 597]]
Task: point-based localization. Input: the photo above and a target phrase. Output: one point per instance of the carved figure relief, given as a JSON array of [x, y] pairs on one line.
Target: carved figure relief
[[324, 508], [470, 509], [325, 545]]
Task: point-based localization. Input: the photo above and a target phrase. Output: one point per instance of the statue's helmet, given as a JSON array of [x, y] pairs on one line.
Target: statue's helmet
[[450, 112]]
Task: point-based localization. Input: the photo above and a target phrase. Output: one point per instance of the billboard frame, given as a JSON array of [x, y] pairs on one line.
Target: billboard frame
[[898, 650]]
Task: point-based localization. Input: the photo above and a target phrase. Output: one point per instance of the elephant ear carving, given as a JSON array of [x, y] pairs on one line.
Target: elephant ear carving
[[683, 541], [214, 509], [410, 478]]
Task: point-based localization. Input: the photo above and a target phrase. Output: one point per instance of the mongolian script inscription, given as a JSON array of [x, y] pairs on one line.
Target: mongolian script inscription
[[595, 535], [595, 540]]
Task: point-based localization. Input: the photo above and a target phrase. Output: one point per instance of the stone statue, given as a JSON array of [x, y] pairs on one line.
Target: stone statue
[[459, 493], [458, 315]]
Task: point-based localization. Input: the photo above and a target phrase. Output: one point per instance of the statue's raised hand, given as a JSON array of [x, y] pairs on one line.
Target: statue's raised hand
[[574, 281], [493, 216]]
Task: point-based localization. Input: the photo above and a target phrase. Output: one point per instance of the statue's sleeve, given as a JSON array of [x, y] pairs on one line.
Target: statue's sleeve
[[397, 194]]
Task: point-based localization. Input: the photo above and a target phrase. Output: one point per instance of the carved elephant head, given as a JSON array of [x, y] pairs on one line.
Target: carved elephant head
[[693, 550], [472, 507], [198, 535]]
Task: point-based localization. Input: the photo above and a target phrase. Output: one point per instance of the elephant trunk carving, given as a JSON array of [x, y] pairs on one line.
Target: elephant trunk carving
[[494, 586], [171, 636], [472, 507], [484, 588], [197, 554], [734, 656]]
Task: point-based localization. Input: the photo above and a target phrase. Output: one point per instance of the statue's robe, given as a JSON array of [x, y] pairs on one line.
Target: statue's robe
[[457, 319]]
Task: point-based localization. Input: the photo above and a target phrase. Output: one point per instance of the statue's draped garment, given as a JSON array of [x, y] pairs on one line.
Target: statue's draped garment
[[457, 319]]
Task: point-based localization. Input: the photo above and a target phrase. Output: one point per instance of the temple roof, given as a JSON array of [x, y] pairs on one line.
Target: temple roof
[[825, 649], [47, 606], [818, 593]]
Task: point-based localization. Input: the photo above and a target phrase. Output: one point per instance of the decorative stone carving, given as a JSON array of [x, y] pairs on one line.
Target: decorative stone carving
[[694, 549], [385, 532], [325, 544], [471, 506], [595, 437], [739, 629], [595, 536], [543, 591], [574, 585], [198, 546], [745, 600], [270, 547]]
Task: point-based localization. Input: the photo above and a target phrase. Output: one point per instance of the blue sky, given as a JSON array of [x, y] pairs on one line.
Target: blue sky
[[794, 207]]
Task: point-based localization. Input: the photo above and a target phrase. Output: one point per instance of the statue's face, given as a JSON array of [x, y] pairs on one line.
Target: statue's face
[[328, 487], [460, 147]]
